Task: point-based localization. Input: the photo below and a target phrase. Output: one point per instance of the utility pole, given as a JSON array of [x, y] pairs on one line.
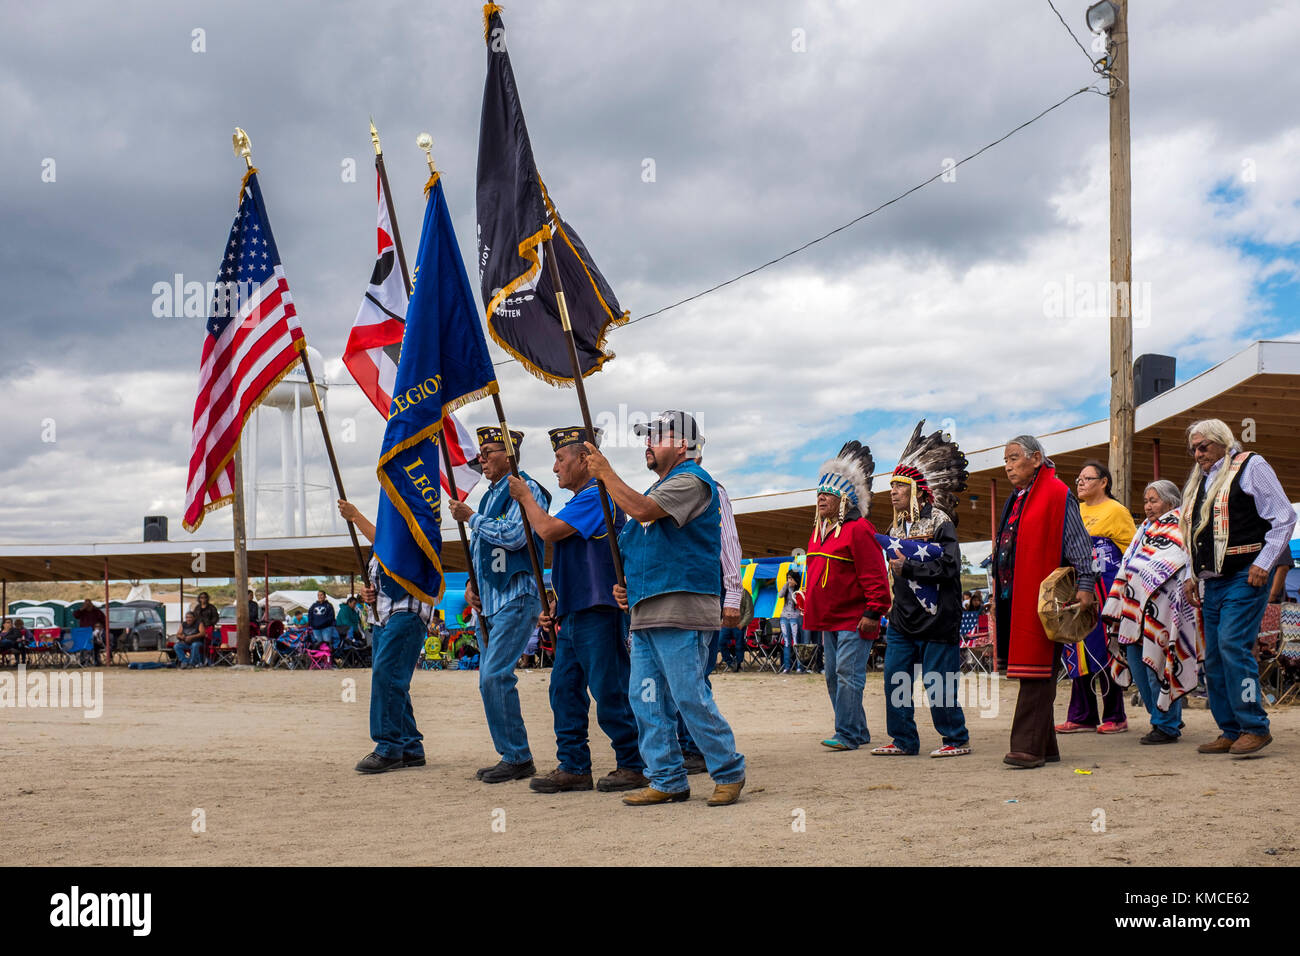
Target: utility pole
[[1121, 262]]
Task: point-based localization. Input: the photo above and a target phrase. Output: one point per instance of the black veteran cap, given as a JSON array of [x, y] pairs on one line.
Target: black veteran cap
[[675, 423], [572, 435], [492, 433]]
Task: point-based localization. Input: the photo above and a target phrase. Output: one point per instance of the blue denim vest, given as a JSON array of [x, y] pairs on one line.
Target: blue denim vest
[[659, 557], [494, 505]]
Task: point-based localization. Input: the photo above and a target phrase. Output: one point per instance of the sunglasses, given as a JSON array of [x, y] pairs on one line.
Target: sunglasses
[[1202, 447]]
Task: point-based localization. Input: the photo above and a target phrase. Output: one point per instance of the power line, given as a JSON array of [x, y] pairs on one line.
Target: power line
[[1091, 60], [858, 219]]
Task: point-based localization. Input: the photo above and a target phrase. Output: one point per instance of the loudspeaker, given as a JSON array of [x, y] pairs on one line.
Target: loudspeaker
[[1152, 374], [155, 527]]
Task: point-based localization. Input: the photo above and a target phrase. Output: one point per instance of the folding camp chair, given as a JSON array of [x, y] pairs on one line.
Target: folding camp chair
[[291, 650], [1286, 669], [78, 647], [764, 650], [320, 658], [225, 649], [976, 645]]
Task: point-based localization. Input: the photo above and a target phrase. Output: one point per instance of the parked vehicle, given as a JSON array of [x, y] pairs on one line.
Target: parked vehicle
[[136, 628]]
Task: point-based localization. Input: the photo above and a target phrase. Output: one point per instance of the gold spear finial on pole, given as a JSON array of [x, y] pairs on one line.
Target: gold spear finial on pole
[[374, 138], [242, 146]]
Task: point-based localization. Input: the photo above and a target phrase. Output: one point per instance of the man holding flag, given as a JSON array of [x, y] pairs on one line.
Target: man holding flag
[[375, 342], [509, 601], [444, 364]]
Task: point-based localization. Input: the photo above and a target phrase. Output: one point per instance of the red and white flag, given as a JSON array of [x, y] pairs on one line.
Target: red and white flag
[[375, 342], [375, 346], [464, 456], [253, 340]]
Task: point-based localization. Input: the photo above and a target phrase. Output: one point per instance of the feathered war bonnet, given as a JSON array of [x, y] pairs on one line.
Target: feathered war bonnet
[[936, 470], [847, 475]]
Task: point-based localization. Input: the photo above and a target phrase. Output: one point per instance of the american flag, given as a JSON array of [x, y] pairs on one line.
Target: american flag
[[253, 341], [374, 348]]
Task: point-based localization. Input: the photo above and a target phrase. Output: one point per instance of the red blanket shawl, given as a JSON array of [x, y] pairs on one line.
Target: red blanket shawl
[[1038, 554]]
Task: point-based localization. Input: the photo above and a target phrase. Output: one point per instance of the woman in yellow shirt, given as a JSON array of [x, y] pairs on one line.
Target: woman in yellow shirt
[[1105, 518]]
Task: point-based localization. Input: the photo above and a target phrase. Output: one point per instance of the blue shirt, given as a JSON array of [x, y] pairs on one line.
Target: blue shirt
[[582, 569], [507, 532]]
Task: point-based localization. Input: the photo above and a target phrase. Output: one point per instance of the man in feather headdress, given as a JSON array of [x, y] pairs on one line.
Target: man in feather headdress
[[925, 619], [846, 589]]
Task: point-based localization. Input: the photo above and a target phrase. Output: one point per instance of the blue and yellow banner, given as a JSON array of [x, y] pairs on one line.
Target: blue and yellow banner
[[444, 365]]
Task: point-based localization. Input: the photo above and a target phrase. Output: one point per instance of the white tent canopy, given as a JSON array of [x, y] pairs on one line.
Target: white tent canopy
[[300, 600]]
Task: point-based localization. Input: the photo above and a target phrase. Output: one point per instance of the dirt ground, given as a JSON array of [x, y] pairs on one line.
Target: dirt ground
[[267, 757]]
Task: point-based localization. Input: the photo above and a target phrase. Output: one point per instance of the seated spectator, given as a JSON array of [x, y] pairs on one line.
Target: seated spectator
[[189, 643], [320, 618], [14, 638], [348, 621]]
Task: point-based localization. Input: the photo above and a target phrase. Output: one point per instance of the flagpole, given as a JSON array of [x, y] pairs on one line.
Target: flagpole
[[425, 142], [554, 269], [244, 148], [241, 561], [406, 280]]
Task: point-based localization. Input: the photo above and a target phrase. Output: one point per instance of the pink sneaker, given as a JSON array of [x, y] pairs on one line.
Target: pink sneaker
[[1070, 727], [1112, 727]]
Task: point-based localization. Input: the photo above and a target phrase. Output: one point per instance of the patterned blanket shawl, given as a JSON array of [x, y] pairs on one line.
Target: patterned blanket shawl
[[1091, 655], [1146, 603]]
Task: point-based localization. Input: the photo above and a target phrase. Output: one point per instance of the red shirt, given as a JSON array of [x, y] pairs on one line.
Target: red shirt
[[89, 617], [845, 579]]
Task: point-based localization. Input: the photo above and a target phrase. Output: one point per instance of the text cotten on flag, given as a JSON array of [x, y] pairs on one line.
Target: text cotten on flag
[[253, 341], [515, 217], [444, 365], [374, 347]]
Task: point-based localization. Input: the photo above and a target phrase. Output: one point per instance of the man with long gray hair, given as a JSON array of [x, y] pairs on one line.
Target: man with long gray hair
[[1236, 519]]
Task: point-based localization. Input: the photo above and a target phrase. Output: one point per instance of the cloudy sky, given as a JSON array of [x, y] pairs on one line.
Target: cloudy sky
[[767, 124]]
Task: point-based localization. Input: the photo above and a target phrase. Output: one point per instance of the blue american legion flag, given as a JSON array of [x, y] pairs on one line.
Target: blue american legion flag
[[253, 340], [444, 364], [915, 550]]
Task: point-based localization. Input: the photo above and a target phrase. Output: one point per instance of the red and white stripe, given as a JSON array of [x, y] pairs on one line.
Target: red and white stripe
[[380, 321], [254, 350], [369, 352], [463, 449]]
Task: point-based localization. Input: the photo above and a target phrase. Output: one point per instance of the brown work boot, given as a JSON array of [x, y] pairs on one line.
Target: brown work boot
[[650, 796], [1220, 746], [725, 794], [1249, 744], [622, 779], [560, 781]]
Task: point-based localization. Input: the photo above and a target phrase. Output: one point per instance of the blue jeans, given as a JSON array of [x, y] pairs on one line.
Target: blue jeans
[[940, 666], [397, 645], [1233, 610], [790, 631], [683, 735], [326, 635], [589, 652], [846, 678], [1148, 685], [509, 630], [736, 637], [190, 653], [668, 678]]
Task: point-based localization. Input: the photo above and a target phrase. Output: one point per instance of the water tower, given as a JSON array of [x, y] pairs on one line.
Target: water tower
[[292, 397]]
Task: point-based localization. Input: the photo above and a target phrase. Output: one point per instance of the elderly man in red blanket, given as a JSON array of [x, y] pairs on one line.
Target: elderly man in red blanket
[[1041, 530], [1152, 626]]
